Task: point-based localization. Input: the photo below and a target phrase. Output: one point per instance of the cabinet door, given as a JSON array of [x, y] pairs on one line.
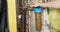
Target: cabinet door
[[12, 15]]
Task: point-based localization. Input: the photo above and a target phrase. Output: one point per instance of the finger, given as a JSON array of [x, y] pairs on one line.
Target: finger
[[34, 5], [49, 4], [44, 5]]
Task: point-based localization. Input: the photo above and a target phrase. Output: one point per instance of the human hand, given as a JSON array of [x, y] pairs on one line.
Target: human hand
[[54, 4]]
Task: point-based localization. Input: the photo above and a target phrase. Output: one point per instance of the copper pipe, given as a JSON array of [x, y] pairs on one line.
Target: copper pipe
[[38, 21]]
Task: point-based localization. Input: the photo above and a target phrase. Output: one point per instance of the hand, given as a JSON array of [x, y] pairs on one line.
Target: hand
[[54, 4], [35, 4]]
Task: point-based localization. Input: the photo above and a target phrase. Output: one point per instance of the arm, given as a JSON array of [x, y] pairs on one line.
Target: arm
[[54, 4]]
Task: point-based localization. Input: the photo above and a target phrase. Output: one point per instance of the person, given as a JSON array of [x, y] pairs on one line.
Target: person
[[53, 4]]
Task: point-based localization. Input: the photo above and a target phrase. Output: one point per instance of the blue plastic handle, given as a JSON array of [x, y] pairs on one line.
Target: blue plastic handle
[[38, 10]]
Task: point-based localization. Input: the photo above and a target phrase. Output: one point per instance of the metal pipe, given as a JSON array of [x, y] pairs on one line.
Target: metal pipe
[[38, 18]]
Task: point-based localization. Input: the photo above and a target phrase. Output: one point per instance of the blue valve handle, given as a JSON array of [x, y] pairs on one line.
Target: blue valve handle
[[38, 9]]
